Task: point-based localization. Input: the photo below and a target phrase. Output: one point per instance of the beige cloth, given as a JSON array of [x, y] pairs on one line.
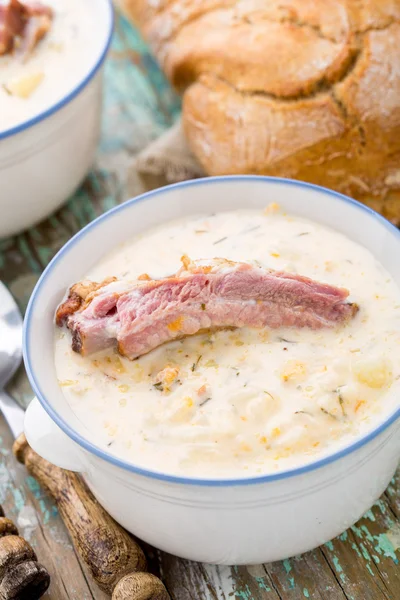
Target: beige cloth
[[169, 156]]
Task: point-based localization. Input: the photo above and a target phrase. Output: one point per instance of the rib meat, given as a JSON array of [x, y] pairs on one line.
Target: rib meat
[[139, 316]]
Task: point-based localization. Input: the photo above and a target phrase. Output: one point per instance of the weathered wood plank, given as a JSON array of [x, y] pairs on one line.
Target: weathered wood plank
[[306, 576], [365, 558], [186, 580]]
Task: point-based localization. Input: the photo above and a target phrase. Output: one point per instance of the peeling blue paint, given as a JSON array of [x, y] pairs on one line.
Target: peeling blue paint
[[376, 559], [4, 482], [339, 569], [34, 486], [288, 568], [370, 515], [367, 534], [19, 499], [244, 594], [369, 569], [381, 505], [262, 585], [45, 511], [364, 552], [381, 543], [329, 545], [384, 546], [356, 549], [357, 531]]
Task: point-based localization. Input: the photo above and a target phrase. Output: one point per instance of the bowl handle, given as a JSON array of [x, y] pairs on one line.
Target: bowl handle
[[49, 441]]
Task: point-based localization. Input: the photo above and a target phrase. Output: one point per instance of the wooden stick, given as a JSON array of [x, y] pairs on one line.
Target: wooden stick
[[107, 549], [21, 576]]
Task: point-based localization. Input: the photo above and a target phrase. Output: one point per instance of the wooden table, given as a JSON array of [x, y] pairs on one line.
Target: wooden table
[[362, 564]]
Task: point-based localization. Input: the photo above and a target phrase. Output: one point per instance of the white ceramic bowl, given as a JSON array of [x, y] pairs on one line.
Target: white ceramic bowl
[[44, 159], [243, 521]]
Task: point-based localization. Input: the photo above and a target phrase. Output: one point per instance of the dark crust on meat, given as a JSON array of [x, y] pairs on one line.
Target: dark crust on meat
[[354, 311], [79, 296], [77, 342], [67, 308]]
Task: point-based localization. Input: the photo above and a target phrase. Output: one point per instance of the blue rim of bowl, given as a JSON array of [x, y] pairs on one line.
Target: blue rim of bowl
[[127, 466], [69, 97]]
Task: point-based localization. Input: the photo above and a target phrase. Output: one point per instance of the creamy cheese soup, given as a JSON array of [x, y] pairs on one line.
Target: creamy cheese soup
[[31, 84], [245, 401]]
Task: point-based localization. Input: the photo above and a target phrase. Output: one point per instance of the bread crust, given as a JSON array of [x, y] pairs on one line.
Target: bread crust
[[307, 89]]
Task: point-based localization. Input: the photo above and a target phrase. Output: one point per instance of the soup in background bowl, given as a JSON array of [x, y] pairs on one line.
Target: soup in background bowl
[[198, 495]]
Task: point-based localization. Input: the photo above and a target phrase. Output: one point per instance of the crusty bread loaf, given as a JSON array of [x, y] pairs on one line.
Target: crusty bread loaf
[[308, 89]]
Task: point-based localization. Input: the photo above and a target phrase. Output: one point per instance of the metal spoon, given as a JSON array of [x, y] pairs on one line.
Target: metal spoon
[[10, 357]]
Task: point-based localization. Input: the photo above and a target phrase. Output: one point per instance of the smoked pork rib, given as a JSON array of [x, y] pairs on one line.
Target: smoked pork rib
[[140, 316]]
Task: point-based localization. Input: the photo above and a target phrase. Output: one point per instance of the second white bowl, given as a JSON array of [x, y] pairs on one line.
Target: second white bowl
[[43, 160]]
